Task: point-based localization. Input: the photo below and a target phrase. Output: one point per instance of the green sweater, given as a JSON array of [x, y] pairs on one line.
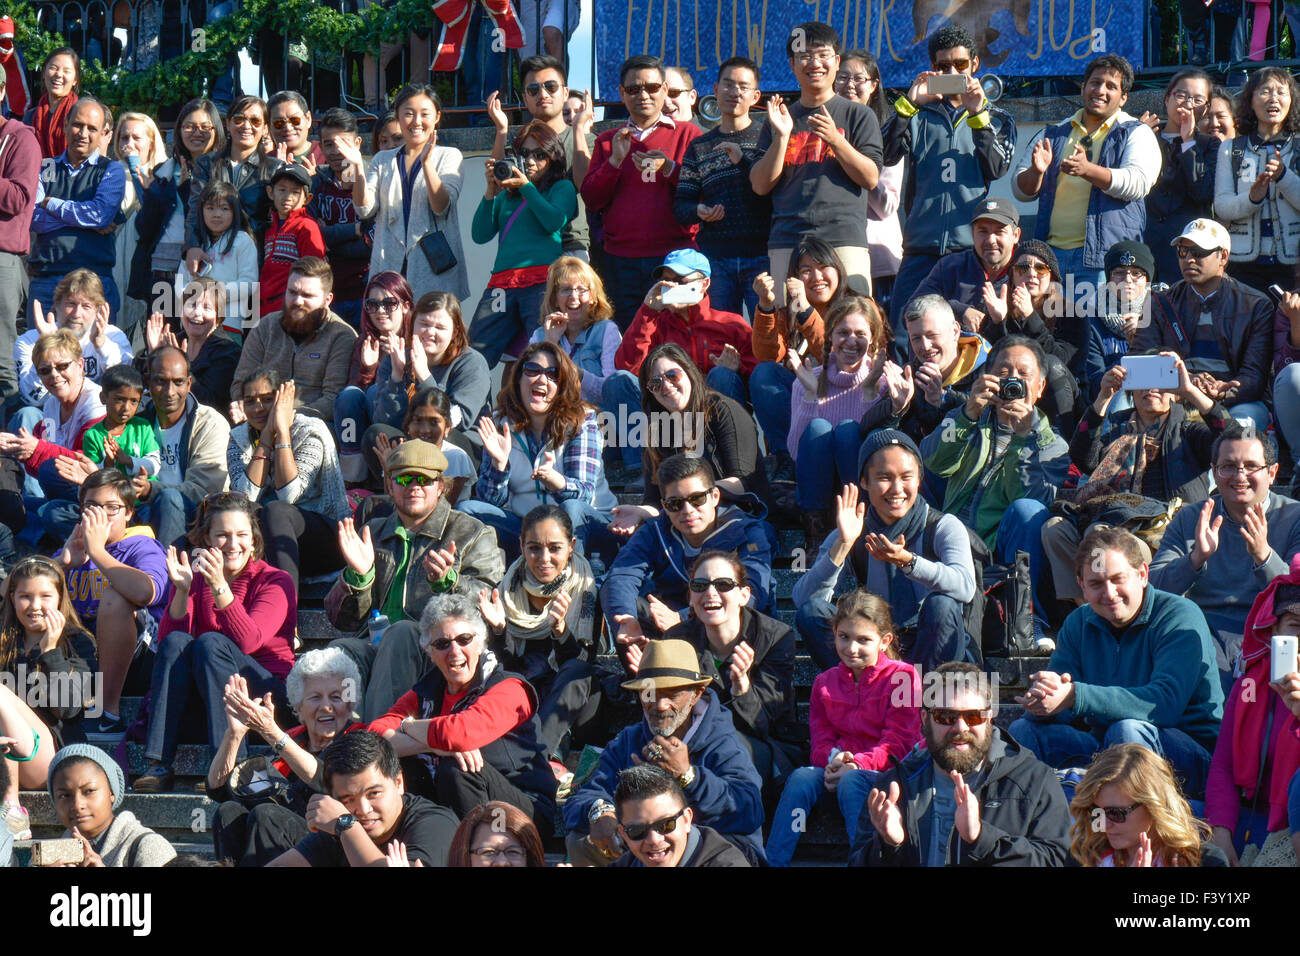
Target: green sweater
[[137, 439], [535, 237]]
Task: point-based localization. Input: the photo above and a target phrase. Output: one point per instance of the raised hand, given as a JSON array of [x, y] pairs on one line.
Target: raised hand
[[584, 116], [179, 571], [995, 302], [742, 659], [438, 563], [850, 514], [929, 379], [357, 549], [383, 447], [496, 442], [492, 609], [1206, 541], [496, 113], [395, 855], [899, 385], [765, 287], [1142, 855], [43, 321], [620, 146], [554, 326], [967, 817], [779, 118], [282, 412], [370, 351], [886, 816], [917, 93], [1041, 157], [804, 370], [352, 155], [1254, 528]]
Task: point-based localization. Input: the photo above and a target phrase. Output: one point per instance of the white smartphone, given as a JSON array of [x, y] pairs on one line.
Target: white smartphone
[[688, 294], [946, 84], [1149, 371], [1283, 656]]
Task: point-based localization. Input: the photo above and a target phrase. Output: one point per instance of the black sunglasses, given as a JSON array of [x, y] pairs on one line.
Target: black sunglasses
[[536, 155], [533, 369], [636, 89], [721, 585], [388, 304], [550, 86], [636, 832], [1117, 814], [442, 643], [695, 498]]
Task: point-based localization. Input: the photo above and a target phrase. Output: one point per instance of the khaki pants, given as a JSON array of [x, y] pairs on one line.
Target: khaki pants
[[856, 259], [1060, 545]]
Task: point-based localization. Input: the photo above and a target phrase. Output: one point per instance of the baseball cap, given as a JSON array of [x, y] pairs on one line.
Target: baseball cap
[[292, 171], [1204, 233], [416, 457], [685, 261], [999, 210]]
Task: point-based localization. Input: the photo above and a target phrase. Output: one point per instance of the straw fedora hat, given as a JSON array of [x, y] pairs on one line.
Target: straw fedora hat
[[667, 665]]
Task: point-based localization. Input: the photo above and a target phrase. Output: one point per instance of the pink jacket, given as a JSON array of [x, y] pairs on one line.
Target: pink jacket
[[875, 717]]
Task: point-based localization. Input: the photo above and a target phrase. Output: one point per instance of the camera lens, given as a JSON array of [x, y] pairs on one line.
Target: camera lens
[[1012, 389]]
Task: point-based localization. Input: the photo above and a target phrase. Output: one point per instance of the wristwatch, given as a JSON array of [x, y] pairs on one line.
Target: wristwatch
[[911, 565], [598, 810], [344, 823], [688, 778]]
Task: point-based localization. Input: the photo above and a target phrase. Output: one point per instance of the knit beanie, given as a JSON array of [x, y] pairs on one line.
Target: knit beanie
[[883, 438], [1040, 250], [116, 780]]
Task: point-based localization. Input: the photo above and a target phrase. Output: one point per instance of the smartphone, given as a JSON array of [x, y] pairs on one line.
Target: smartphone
[[1275, 292], [946, 84], [1149, 371], [55, 852], [1283, 657], [205, 266], [688, 294]]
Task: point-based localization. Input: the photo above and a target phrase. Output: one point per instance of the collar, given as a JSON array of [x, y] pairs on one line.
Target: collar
[[1205, 299], [94, 159], [662, 120], [1077, 121]]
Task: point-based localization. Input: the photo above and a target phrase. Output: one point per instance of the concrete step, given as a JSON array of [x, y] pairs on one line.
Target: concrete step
[[190, 812], [192, 760]]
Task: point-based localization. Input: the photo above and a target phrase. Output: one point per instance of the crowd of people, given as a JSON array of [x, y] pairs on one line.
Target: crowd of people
[[250, 362]]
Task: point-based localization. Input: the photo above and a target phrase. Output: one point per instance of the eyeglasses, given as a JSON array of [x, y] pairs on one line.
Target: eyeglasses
[[721, 585], [733, 87], [1231, 471], [550, 86], [442, 643], [1037, 268], [957, 66], [636, 89], [946, 717], [850, 80], [112, 510], [673, 376], [1119, 275], [389, 304], [581, 291], [1189, 98], [673, 94], [294, 121], [695, 499], [514, 855], [806, 58], [420, 481], [204, 128], [636, 832], [536, 155], [241, 120], [1117, 814], [1194, 252], [61, 367], [533, 370]]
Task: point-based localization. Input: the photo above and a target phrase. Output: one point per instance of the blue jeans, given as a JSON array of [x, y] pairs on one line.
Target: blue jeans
[[1061, 745], [1022, 530], [504, 315], [731, 282], [827, 460], [590, 527], [169, 513], [1252, 413], [42, 288], [349, 312], [28, 417], [482, 66], [621, 397], [351, 419], [911, 273], [1071, 264], [628, 279], [803, 789], [727, 382], [770, 385]]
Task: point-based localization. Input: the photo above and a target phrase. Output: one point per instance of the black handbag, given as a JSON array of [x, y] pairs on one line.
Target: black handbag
[[437, 250]]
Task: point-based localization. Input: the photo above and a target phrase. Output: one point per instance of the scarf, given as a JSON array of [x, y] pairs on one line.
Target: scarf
[[523, 624], [1250, 718], [902, 597], [49, 125], [1125, 461]]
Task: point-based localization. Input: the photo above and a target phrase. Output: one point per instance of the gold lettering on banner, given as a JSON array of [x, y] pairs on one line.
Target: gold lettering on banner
[[699, 67], [817, 8], [1069, 27], [627, 37], [677, 27], [717, 31], [1084, 43], [1039, 52], [649, 14], [758, 38], [886, 34]]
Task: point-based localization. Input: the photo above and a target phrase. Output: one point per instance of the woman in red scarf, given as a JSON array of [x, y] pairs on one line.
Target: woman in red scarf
[[61, 79], [1246, 796]]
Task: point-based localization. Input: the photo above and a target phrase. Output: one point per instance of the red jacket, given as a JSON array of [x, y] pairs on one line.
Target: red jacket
[[702, 333], [286, 242], [874, 717], [637, 215]]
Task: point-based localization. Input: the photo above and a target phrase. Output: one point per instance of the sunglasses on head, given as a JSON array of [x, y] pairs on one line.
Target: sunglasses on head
[[442, 643], [636, 89], [947, 717], [636, 832], [550, 86], [294, 121], [389, 304], [672, 376], [533, 370], [721, 585], [1117, 814], [420, 481], [695, 498]]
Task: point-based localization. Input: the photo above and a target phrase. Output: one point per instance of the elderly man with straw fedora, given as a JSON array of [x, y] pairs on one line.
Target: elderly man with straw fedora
[[687, 732]]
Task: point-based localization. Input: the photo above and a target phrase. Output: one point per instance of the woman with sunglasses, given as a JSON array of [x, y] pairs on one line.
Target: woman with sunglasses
[[543, 447], [287, 460], [386, 309], [40, 634], [168, 200], [1129, 811], [748, 656], [1253, 196], [545, 617], [816, 280], [470, 723], [241, 162], [229, 612], [526, 210]]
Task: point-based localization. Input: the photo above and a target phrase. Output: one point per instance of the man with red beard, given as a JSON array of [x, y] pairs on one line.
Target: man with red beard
[[972, 797], [305, 342]]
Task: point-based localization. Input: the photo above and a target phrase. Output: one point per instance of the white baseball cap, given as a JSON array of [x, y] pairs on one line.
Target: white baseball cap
[[1205, 233]]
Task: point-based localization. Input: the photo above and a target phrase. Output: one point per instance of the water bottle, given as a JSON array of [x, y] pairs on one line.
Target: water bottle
[[378, 624]]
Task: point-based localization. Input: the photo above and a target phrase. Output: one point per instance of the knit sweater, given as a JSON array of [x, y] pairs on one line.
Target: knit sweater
[[709, 177], [127, 840], [318, 486], [20, 164], [534, 237], [844, 400], [260, 619]]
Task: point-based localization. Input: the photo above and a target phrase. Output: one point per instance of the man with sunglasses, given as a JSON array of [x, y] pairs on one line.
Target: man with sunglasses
[[546, 90], [347, 237], [646, 588], [955, 148], [1136, 664], [1221, 552], [1222, 328], [400, 559], [972, 796], [657, 826], [687, 733], [631, 181], [290, 125]]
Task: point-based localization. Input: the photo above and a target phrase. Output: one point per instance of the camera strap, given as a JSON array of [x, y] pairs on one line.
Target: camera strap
[[511, 221]]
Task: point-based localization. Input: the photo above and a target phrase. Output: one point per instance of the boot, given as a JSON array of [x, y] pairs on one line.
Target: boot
[[783, 468], [816, 526]]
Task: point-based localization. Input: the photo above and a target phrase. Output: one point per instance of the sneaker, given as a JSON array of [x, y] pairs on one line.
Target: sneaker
[[157, 779], [1043, 645], [783, 468], [106, 732], [16, 820]]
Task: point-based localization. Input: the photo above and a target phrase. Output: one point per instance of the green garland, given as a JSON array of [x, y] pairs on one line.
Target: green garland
[[175, 81]]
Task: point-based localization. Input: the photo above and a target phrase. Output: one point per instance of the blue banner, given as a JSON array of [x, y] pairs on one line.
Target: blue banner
[[1013, 37]]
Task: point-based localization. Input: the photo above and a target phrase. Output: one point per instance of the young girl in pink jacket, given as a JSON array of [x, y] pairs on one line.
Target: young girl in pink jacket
[[866, 712]]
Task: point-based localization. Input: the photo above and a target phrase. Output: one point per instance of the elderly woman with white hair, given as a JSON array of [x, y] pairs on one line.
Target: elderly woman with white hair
[[472, 724], [251, 827]]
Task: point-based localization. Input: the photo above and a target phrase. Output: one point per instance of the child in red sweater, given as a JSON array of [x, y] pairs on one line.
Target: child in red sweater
[[864, 711], [293, 233]]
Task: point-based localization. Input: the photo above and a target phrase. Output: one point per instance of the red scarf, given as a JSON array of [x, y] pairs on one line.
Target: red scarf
[[1251, 716], [49, 126]]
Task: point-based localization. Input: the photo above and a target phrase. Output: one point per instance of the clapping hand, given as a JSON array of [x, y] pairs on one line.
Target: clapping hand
[[891, 552], [22, 446], [1076, 164], [369, 351], [384, 447], [995, 302], [44, 322], [804, 370], [76, 469], [496, 442], [886, 816], [929, 378], [663, 616], [438, 562], [546, 473], [1048, 694], [742, 659], [357, 549], [1041, 157], [492, 609], [208, 563], [620, 146], [559, 610], [1254, 529], [179, 571], [1206, 541], [282, 412], [396, 855], [778, 117], [967, 817], [554, 326], [898, 384]]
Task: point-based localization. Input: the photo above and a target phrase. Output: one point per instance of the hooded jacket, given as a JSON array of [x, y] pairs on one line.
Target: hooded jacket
[[1024, 816], [704, 847], [205, 438], [702, 332], [726, 793]]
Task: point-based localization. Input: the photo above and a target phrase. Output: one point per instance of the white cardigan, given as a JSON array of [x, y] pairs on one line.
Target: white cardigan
[[396, 245], [1233, 206]]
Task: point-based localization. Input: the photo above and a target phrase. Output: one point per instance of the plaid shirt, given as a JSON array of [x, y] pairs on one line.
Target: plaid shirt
[[580, 465]]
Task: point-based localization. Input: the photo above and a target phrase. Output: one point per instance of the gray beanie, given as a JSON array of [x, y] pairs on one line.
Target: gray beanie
[[883, 438], [116, 780]]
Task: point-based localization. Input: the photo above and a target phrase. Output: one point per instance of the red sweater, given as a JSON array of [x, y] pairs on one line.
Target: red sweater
[[702, 333], [498, 711], [20, 164], [286, 242], [260, 620], [637, 216]]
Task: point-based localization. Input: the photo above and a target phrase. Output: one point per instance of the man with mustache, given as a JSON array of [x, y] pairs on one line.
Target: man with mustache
[[971, 797], [306, 342]]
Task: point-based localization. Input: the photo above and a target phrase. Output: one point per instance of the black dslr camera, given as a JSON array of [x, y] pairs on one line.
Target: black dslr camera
[[503, 168]]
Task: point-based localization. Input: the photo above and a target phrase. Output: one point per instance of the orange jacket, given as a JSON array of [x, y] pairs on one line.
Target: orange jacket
[[772, 333]]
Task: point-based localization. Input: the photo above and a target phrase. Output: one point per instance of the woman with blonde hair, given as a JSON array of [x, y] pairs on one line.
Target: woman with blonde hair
[[1129, 811], [139, 145]]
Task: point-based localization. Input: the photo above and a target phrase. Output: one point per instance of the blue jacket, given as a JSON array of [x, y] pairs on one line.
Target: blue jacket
[[654, 561], [726, 793], [959, 277]]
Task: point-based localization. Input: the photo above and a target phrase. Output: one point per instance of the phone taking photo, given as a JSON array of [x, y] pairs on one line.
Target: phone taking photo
[[1149, 371], [946, 84], [1283, 657], [686, 294]]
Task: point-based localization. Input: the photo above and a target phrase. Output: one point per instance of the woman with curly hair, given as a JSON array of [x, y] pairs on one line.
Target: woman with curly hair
[[1129, 811]]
